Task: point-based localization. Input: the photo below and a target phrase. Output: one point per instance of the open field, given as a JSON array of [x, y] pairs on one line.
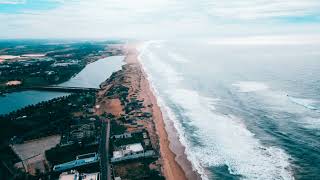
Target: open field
[[32, 153]]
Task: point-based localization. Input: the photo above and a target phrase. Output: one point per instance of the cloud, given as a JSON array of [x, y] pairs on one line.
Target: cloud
[[159, 19], [12, 2], [255, 9], [268, 40]]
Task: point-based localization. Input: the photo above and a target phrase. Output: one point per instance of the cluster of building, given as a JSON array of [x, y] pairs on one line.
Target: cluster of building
[[15, 65], [20, 68], [130, 148], [85, 134], [134, 145], [65, 64], [131, 151], [75, 175], [21, 57], [127, 148], [68, 147]]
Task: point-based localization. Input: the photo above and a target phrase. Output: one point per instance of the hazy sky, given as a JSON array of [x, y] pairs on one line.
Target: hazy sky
[[157, 19]]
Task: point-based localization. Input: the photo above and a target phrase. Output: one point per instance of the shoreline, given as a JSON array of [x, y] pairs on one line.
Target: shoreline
[[174, 162]]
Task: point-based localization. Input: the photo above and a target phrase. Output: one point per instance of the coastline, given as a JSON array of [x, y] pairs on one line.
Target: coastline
[[174, 162]]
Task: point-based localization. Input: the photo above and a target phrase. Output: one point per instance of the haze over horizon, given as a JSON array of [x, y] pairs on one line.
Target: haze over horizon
[[158, 19], [160, 89]]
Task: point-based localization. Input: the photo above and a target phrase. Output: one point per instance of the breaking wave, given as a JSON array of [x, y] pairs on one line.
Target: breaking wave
[[281, 101], [226, 140], [211, 138], [177, 57], [307, 103], [250, 86]]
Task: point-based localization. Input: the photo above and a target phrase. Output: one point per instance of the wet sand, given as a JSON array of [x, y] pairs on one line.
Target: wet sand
[[175, 165]]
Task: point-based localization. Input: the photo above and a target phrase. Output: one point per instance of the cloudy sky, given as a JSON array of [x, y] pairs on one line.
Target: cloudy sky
[[157, 19]]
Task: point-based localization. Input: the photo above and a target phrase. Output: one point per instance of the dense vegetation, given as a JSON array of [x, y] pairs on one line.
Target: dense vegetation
[[58, 155], [61, 61], [43, 119], [18, 47], [35, 121]]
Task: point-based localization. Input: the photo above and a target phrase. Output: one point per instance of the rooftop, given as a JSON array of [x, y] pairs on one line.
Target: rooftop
[[128, 149], [76, 163], [13, 83], [73, 175], [91, 176]]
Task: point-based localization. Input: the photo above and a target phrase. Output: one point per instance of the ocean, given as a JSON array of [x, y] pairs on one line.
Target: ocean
[[241, 111]]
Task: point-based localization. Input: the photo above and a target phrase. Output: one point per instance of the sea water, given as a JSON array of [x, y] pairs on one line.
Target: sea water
[[241, 111]]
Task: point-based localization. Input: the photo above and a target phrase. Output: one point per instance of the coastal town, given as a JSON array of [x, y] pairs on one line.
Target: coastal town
[[108, 133], [160, 90]]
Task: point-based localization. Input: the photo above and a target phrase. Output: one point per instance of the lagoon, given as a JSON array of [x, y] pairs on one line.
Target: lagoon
[[90, 77]]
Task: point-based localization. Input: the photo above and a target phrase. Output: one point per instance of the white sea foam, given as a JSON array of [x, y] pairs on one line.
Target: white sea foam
[[306, 109], [311, 122], [178, 58], [250, 86], [224, 139], [307, 103], [274, 97], [169, 115], [277, 100]]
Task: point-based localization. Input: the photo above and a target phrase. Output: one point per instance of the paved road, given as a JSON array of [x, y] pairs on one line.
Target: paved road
[[104, 150]]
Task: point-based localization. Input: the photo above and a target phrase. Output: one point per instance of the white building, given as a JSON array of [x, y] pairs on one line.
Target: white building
[[72, 175], [122, 136], [91, 176], [75, 175], [128, 150], [131, 151]]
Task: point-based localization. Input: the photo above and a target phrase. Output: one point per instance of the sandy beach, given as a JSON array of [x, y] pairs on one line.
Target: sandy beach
[[173, 161], [174, 167]]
